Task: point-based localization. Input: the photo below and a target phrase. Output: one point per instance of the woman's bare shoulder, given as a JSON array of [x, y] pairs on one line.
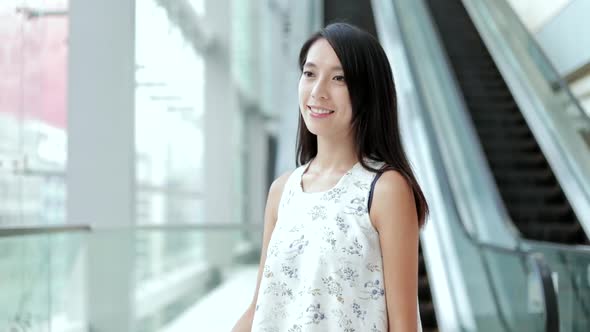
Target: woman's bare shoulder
[[393, 199], [274, 197], [276, 188], [279, 183]]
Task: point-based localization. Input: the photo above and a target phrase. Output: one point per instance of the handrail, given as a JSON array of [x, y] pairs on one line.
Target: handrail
[[11, 231], [183, 227], [549, 295], [577, 249], [563, 253]]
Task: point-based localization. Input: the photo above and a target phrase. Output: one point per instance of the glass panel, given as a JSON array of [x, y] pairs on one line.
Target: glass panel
[[571, 276], [180, 277], [25, 289], [518, 291], [43, 284], [67, 281]]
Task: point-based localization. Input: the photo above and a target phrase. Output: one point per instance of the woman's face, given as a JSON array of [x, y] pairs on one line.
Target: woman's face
[[324, 101]]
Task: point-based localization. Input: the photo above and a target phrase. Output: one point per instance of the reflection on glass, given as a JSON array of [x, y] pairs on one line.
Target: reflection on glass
[[33, 117]]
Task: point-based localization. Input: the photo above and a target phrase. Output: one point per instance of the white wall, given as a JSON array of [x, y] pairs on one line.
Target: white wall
[[558, 26], [536, 13]]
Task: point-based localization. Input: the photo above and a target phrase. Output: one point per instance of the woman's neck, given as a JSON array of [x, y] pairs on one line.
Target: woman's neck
[[334, 155]]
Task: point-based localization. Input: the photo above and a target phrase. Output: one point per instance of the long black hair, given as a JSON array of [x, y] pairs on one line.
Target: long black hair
[[374, 105]]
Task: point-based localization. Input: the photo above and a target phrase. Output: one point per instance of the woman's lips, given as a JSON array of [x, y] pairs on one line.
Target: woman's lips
[[319, 115]]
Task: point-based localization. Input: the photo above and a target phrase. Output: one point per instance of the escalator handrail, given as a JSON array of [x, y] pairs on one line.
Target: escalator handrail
[[558, 247], [541, 268]]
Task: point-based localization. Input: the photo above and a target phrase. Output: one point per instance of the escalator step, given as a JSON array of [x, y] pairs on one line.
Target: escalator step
[[499, 142], [531, 194], [463, 36], [540, 175], [524, 158], [482, 82], [480, 61], [497, 96], [526, 181], [496, 107], [520, 162], [496, 119], [476, 55], [558, 231], [506, 155], [478, 75], [543, 212], [498, 128]]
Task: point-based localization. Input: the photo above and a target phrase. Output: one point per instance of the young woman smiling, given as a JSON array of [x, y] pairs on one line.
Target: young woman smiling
[[341, 234]]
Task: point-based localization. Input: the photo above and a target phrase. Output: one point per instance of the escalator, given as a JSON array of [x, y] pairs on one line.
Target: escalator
[[526, 183], [360, 13]]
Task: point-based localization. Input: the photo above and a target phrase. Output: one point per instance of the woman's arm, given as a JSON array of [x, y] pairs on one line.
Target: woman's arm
[[393, 213], [244, 324]]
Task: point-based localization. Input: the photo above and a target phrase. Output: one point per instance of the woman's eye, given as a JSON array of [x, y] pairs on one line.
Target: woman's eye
[[339, 78], [307, 74]]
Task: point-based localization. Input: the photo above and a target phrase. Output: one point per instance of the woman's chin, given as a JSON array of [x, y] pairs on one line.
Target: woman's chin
[[324, 134], [317, 130]]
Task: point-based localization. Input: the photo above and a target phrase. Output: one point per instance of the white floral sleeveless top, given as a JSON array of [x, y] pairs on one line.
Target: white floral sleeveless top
[[323, 269]]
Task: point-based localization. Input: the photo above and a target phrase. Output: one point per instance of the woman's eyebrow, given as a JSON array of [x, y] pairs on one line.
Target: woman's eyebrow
[[311, 64]]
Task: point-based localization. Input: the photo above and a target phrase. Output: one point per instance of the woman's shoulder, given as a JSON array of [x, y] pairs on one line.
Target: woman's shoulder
[[393, 196], [277, 186], [276, 192], [393, 182]]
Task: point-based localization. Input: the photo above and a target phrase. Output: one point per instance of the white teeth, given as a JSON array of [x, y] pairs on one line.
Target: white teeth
[[320, 111]]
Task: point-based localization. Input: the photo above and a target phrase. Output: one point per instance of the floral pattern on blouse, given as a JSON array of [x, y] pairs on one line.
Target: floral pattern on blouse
[[357, 207], [318, 212], [333, 195]]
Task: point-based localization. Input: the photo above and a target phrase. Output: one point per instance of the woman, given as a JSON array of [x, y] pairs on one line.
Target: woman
[[340, 244]]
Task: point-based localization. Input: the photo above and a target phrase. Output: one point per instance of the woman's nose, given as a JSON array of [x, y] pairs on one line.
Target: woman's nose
[[319, 90]]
